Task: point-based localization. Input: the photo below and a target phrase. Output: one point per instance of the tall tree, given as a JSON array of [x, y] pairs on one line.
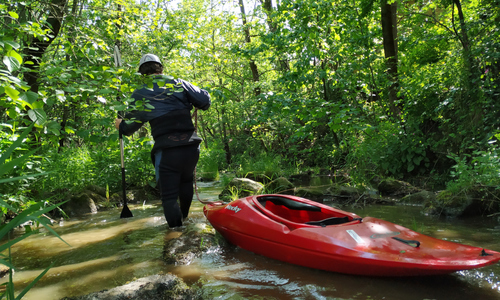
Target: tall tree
[[37, 45], [248, 40], [390, 41]]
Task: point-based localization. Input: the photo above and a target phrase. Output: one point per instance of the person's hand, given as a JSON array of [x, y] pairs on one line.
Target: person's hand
[[117, 123]]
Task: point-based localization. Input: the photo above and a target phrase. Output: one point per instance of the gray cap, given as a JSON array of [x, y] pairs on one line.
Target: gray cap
[[149, 58]]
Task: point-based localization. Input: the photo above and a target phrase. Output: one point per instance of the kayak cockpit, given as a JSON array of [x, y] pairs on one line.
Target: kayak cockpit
[[296, 214]]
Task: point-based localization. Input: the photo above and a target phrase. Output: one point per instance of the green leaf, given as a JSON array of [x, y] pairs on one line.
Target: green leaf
[[10, 243], [15, 55], [32, 96], [12, 93], [38, 116], [13, 15], [12, 113], [4, 168], [11, 149], [106, 91], [12, 44], [28, 98], [11, 63], [27, 288], [23, 177]]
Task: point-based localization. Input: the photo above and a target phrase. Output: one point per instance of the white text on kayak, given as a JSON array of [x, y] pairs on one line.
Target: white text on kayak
[[233, 208]]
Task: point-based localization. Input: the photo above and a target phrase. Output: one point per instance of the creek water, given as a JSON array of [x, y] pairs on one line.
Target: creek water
[[105, 251]]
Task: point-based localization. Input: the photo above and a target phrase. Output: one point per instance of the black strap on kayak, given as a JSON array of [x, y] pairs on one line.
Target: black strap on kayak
[[333, 221], [329, 221], [483, 253], [411, 243]]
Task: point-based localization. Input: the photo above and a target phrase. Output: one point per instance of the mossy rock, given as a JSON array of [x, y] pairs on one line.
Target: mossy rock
[[392, 187], [81, 204], [447, 204], [302, 178], [264, 176], [419, 198], [240, 187], [101, 191], [154, 287], [342, 191], [312, 193], [476, 201], [280, 185]]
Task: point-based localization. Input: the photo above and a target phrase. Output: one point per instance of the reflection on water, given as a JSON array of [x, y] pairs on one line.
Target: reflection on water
[[106, 251]]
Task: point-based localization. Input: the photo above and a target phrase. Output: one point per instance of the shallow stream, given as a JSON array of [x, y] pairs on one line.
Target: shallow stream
[[106, 251]]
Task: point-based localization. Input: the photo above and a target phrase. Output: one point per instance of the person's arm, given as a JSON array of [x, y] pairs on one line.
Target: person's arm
[[198, 97], [127, 127], [131, 123]]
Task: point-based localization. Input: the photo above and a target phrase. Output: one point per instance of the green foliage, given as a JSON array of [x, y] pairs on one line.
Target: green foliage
[[211, 161], [35, 214], [73, 169], [260, 163], [322, 97], [480, 168], [387, 150]]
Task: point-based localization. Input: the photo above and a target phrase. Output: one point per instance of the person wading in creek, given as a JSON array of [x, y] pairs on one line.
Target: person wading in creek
[[176, 149]]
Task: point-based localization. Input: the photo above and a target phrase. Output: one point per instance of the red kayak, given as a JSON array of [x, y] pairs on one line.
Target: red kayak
[[311, 234]]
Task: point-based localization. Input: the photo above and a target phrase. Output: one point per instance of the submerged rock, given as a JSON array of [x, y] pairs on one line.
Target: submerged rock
[[155, 287], [195, 239]]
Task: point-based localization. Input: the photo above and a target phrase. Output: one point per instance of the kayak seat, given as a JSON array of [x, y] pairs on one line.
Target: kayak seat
[[295, 214], [329, 221], [288, 203]]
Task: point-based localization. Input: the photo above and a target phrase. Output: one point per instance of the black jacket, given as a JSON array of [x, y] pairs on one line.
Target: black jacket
[[166, 106]]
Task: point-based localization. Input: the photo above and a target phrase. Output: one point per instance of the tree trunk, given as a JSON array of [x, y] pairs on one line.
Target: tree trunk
[[268, 9], [464, 40], [67, 108], [253, 65], [389, 33], [38, 46]]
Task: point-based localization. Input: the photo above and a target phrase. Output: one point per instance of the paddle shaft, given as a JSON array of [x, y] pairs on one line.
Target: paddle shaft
[[126, 213], [123, 170]]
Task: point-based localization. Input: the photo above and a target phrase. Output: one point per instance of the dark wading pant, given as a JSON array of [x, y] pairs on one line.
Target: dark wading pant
[[174, 169]]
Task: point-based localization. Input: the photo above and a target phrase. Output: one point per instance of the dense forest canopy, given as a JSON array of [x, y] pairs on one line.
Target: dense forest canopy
[[373, 88]]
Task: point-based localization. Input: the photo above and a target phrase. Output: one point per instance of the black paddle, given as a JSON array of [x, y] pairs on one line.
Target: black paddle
[[126, 213]]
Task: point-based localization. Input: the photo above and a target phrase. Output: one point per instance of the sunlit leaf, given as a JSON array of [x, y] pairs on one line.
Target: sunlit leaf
[[38, 116]]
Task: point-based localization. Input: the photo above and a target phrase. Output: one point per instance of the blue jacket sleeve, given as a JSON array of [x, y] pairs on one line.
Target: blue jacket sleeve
[[198, 97]]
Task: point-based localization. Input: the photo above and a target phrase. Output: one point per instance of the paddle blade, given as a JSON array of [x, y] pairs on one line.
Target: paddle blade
[[126, 213]]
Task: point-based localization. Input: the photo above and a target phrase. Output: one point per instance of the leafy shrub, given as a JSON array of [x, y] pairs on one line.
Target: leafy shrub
[[34, 213], [211, 162], [263, 163], [387, 150], [481, 168], [75, 168]]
